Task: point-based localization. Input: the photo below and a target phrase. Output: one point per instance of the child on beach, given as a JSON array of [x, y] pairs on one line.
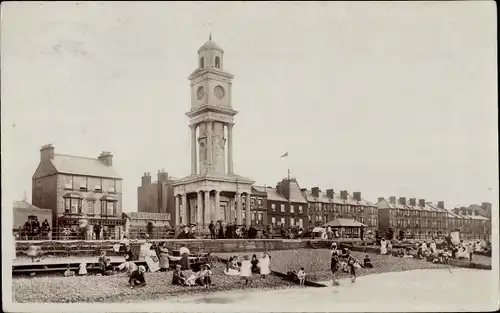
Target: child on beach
[[246, 269], [367, 263], [301, 275], [137, 278], [334, 265], [352, 268]]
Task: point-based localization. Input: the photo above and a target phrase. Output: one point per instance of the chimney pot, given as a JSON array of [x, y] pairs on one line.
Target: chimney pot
[[329, 193], [392, 200], [106, 157], [357, 195], [47, 152], [413, 202], [343, 194], [315, 191], [441, 204], [421, 202]]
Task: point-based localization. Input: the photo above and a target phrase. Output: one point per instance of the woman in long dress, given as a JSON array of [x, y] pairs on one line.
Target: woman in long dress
[[265, 263], [383, 246], [164, 261], [184, 252]]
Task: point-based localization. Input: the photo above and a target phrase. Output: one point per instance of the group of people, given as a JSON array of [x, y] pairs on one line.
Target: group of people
[[342, 260], [33, 230], [246, 267]]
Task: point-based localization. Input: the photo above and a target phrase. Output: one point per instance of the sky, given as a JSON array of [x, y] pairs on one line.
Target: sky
[[389, 99]]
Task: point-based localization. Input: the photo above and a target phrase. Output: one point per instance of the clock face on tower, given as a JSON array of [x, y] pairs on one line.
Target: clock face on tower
[[200, 92], [219, 92]]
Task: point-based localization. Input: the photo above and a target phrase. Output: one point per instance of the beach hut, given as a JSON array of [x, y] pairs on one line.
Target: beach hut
[[348, 227]]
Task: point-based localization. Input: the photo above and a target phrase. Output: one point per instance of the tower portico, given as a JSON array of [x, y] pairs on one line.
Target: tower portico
[[212, 191]]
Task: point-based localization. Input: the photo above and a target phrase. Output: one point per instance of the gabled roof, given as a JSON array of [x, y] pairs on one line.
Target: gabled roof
[[295, 193], [273, 195], [344, 222], [68, 164]]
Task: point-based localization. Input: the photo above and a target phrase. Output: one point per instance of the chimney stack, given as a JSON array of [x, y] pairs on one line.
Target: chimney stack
[[402, 200], [106, 157], [380, 199], [413, 202], [441, 204], [162, 176], [47, 152], [357, 195], [421, 202], [315, 191], [343, 194], [146, 179], [392, 200], [329, 193]]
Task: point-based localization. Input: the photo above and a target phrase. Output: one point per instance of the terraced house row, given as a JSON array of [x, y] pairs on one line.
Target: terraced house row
[[424, 220]]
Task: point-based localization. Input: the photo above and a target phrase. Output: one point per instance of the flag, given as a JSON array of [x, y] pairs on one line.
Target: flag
[[284, 155]]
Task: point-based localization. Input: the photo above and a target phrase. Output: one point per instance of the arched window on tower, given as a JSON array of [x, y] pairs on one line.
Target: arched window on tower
[[202, 63], [217, 62]]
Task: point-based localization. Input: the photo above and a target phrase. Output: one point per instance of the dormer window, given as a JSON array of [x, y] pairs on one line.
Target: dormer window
[[217, 62], [202, 62]]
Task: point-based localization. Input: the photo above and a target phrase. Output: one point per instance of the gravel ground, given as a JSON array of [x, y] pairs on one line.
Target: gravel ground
[[316, 263], [115, 288]]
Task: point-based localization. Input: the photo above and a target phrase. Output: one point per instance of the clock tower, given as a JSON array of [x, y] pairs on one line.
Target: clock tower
[[211, 123]]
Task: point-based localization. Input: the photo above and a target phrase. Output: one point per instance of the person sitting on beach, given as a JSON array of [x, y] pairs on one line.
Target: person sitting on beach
[[301, 275], [108, 268], [232, 267], [204, 276], [178, 277], [255, 264], [191, 280], [400, 253], [102, 262], [69, 272], [367, 262], [34, 253], [137, 279]]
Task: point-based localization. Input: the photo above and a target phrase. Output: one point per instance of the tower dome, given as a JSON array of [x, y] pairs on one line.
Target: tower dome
[[210, 45]]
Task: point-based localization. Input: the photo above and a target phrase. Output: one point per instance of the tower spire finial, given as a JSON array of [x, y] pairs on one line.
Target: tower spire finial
[[210, 36]]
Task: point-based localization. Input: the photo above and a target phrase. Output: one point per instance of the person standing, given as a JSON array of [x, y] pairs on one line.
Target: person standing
[[334, 266], [265, 264], [97, 231], [164, 261], [470, 250], [211, 228], [246, 269], [184, 252], [362, 233]]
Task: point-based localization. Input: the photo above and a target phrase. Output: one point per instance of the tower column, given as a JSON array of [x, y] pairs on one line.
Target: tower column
[[238, 209], [184, 209], [206, 208], [230, 148], [199, 209], [209, 145], [194, 169], [217, 205], [248, 216], [177, 211]]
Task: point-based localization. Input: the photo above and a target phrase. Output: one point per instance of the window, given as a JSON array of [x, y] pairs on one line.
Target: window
[[253, 216], [259, 202], [282, 207], [273, 220], [90, 206], [283, 221], [73, 205], [202, 63], [301, 223], [300, 209], [217, 62], [273, 207], [260, 217], [109, 208], [291, 222], [252, 201], [69, 182], [292, 208]]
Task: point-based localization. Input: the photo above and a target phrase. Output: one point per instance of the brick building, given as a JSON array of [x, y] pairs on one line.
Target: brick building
[[74, 187], [326, 206], [286, 204], [158, 196], [420, 220], [473, 225]]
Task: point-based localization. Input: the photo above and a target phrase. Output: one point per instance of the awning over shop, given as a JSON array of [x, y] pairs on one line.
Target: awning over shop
[[344, 222]]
